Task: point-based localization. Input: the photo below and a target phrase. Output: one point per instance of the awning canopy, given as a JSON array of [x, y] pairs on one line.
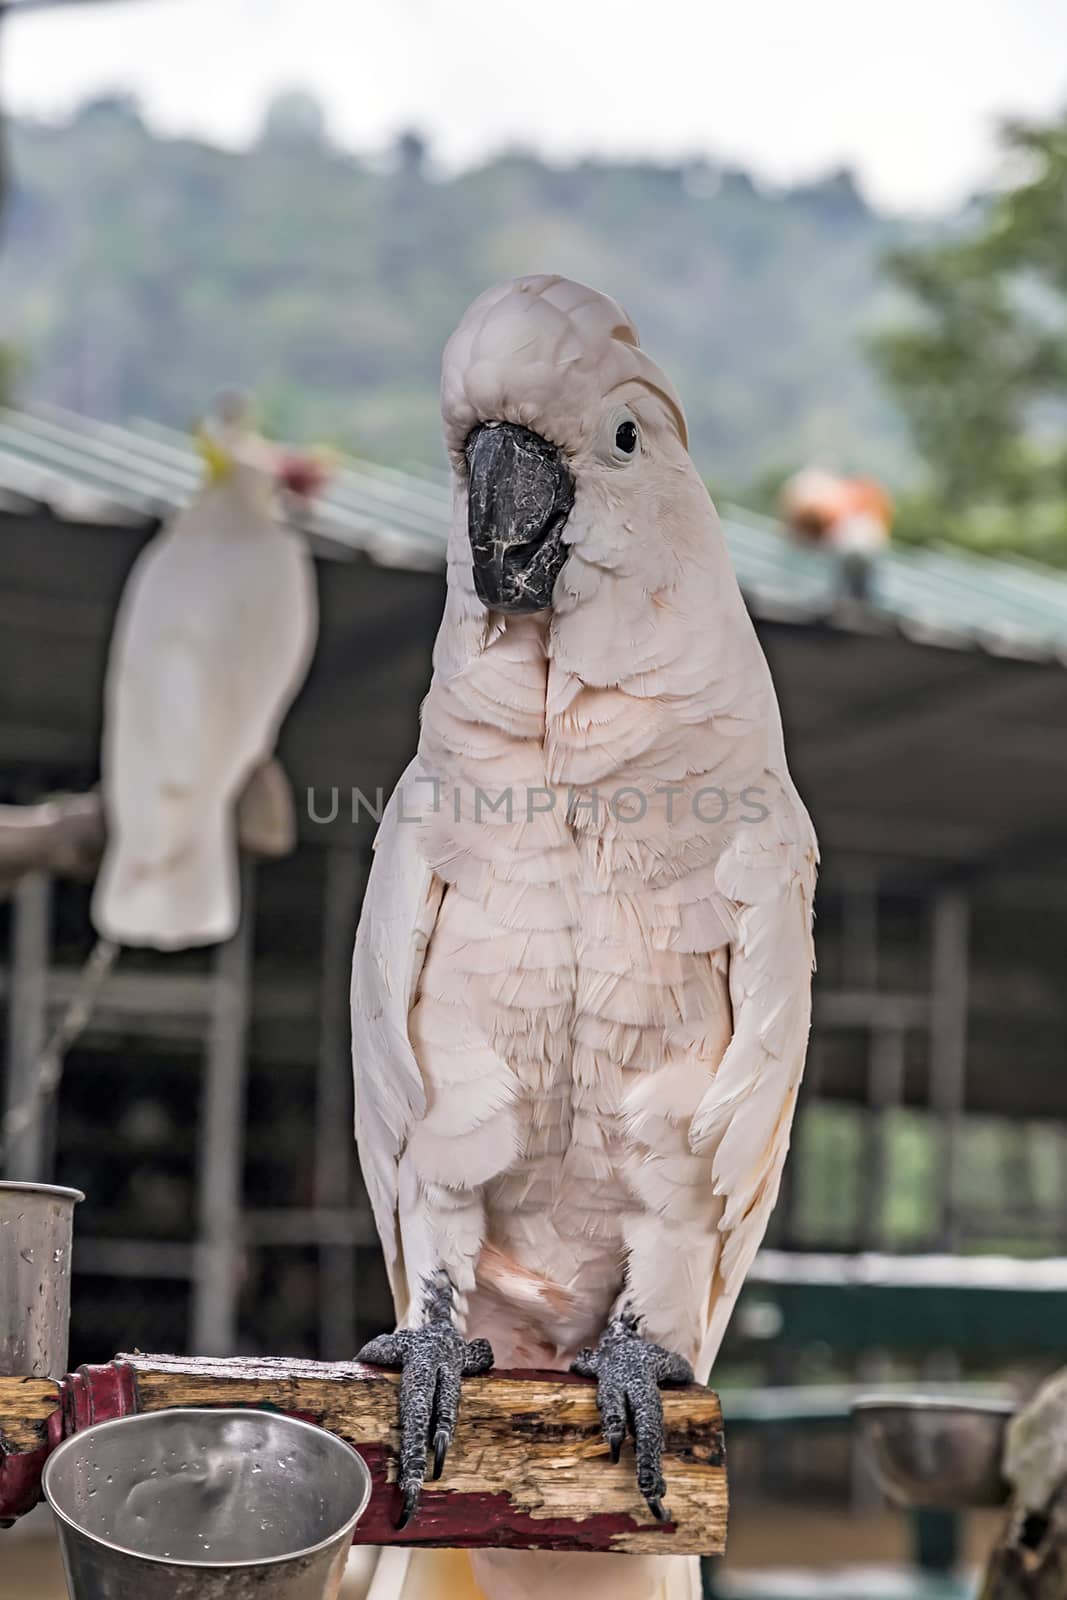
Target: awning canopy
[[926, 731]]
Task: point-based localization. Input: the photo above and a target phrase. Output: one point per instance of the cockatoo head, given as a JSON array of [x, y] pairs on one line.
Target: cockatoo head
[[565, 437], [234, 454]]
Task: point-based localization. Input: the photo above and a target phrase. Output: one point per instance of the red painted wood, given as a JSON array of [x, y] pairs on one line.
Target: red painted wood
[[98, 1394], [20, 1474], [481, 1521], [90, 1395]]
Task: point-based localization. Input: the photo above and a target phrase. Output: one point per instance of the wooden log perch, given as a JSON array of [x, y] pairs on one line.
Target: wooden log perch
[[528, 1468], [65, 836]]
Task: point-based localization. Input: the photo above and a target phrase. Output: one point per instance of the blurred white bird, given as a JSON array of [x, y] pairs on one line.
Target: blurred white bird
[[214, 635]]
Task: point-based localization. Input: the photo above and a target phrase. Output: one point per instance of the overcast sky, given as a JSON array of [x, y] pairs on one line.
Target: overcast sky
[[907, 91]]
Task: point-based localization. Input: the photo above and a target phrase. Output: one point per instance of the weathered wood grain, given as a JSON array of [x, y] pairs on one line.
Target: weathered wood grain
[[528, 1468], [25, 1407], [30, 1427]]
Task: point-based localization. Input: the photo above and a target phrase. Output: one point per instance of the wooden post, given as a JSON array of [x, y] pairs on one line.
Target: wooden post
[[222, 1151], [885, 1088], [948, 1044], [859, 906], [528, 1469], [27, 1027], [885, 1046], [334, 1140]]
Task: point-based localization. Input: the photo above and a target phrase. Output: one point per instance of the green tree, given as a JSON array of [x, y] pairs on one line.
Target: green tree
[[981, 368], [140, 274]]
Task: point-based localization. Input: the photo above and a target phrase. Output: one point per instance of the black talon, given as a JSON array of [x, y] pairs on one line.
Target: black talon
[[433, 1359], [412, 1495], [629, 1371]]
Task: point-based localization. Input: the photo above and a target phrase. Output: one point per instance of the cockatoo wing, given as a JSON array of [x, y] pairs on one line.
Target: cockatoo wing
[[167, 877], [399, 912], [745, 1117], [160, 705]]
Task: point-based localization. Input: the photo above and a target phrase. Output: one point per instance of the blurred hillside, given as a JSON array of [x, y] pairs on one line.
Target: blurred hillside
[[139, 273]]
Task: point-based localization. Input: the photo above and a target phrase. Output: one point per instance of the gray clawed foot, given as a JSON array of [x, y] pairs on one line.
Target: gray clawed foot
[[434, 1359], [629, 1371]]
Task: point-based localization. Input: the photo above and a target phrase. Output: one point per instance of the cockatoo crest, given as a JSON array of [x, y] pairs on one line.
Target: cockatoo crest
[[551, 355], [564, 361]]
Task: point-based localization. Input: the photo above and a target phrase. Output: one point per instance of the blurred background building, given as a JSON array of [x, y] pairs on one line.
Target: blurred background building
[[206, 1111], [922, 1230]]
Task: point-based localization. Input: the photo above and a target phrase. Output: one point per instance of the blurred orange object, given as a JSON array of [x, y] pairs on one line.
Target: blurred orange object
[[850, 516], [811, 502], [819, 507], [866, 497]]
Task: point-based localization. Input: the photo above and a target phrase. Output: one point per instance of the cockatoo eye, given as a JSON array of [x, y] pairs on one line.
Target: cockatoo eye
[[621, 438], [626, 437]]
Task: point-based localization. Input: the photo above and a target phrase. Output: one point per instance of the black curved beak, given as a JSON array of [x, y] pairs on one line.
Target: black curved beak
[[520, 495]]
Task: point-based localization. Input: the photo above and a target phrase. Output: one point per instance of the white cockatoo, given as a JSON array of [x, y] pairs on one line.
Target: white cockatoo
[[213, 638], [581, 986]]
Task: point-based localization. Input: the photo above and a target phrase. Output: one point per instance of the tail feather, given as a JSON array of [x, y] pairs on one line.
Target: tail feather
[[191, 900]]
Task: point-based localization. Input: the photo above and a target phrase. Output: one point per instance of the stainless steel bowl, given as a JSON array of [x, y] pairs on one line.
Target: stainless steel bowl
[[938, 1453], [227, 1504]]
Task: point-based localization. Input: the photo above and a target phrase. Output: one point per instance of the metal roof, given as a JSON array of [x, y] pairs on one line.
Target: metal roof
[[97, 471]]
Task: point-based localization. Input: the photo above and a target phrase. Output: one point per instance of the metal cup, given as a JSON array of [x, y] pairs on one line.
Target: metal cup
[[36, 1224], [206, 1505]]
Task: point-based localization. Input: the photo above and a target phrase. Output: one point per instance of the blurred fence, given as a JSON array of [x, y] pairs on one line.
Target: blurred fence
[[207, 1115]]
